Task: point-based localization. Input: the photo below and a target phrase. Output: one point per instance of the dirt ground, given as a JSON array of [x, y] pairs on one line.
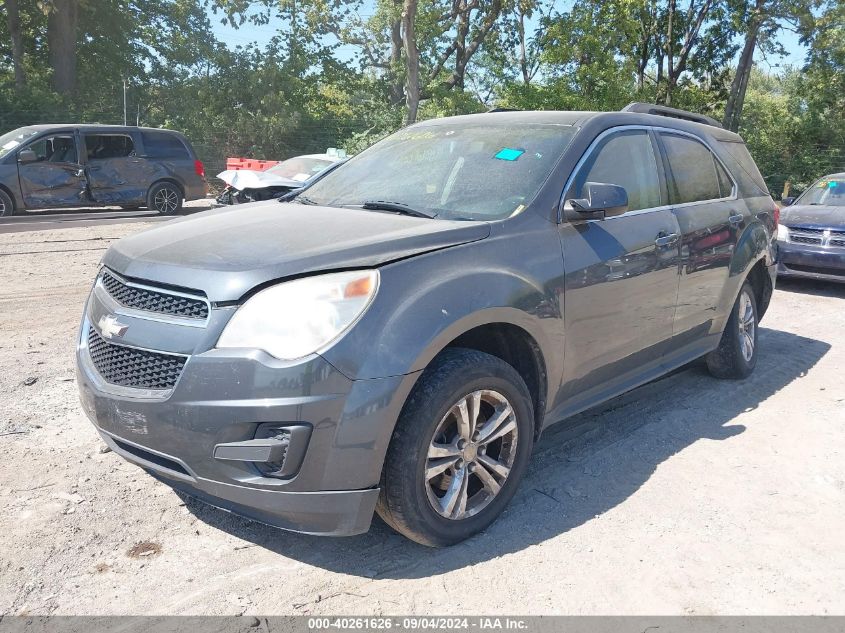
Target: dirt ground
[[689, 496]]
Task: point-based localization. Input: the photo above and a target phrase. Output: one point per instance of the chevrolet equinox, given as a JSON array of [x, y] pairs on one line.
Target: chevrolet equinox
[[396, 337]]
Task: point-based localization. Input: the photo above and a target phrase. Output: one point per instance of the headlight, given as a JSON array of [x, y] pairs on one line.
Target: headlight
[[783, 233], [297, 318]]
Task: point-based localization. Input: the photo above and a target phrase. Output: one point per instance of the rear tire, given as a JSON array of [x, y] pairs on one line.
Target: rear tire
[[7, 207], [736, 355], [460, 448], [165, 198]]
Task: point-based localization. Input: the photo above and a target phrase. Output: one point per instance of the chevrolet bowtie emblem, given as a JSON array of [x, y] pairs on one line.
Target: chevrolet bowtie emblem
[[111, 327]]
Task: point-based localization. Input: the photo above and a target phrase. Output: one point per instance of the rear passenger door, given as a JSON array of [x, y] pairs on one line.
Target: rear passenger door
[[704, 201], [621, 272], [116, 175]]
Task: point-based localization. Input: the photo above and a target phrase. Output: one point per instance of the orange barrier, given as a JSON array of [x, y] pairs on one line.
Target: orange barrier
[[250, 163]]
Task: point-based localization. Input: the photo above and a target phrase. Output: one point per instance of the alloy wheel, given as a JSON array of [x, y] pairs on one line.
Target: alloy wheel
[[471, 454], [166, 200], [747, 326]]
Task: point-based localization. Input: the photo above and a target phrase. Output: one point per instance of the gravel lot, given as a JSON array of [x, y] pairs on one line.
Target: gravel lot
[[689, 496]]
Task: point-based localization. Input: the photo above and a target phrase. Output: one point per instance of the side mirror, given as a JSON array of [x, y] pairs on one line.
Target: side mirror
[[788, 201], [602, 200], [27, 156]]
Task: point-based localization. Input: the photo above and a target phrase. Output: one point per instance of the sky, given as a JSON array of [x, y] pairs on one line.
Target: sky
[[250, 34]]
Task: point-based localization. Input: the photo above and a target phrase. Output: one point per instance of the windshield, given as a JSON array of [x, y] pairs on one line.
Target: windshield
[[827, 191], [10, 141], [483, 171], [299, 168]]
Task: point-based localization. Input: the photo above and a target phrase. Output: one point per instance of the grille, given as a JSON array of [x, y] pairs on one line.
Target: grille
[[837, 242], [803, 239], [153, 300], [817, 270], [131, 367], [803, 229]]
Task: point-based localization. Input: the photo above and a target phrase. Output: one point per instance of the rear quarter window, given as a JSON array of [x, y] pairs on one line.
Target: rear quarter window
[[164, 145], [739, 152]]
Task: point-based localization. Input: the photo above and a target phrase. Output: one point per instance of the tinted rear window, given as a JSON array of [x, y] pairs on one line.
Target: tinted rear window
[[164, 145], [693, 169]]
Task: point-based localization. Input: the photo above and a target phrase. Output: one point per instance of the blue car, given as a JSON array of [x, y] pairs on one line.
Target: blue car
[[811, 235]]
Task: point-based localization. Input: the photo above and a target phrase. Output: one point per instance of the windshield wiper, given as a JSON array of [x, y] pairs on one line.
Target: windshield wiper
[[300, 198], [397, 207]]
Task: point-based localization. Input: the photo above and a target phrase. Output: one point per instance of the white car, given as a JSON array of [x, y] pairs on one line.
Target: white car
[[246, 185]]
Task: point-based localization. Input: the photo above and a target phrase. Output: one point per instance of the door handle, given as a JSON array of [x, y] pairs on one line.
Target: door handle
[[736, 219], [666, 240]]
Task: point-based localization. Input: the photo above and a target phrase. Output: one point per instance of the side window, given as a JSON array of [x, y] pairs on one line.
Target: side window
[[104, 146], [693, 176], [726, 185], [626, 159], [164, 145], [57, 148]]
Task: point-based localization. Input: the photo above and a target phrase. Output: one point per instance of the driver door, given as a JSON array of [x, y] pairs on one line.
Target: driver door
[[50, 172], [621, 272]]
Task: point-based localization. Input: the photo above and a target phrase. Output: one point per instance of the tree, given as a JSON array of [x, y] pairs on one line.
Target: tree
[[412, 60], [761, 21], [13, 19], [62, 20]]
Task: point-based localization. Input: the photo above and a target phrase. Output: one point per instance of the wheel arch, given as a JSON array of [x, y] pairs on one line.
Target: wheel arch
[[511, 340], [750, 261], [17, 205], [517, 348], [168, 179]]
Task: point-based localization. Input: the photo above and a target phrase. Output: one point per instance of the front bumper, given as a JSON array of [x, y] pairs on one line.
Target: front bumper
[[811, 262], [225, 397]]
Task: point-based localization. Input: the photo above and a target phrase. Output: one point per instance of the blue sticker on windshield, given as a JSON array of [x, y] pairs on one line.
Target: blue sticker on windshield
[[833, 184], [506, 153]]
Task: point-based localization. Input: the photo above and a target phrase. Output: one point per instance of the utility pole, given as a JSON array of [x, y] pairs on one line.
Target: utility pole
[[124, 101]]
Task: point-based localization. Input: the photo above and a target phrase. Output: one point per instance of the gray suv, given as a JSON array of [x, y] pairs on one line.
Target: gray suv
[[55, 166], [396, 338]]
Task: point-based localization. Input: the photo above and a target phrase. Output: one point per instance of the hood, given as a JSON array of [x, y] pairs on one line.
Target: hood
[[814, 215], [242, 179], [227, 252]]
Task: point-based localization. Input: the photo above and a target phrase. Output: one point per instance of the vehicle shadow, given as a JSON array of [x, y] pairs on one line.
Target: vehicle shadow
[[580, 469], [812, 287]]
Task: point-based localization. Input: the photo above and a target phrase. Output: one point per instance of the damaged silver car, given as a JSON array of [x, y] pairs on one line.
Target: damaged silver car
[[58, 166]]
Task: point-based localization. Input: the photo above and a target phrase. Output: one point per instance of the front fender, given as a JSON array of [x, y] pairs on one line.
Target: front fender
[[426, 302]]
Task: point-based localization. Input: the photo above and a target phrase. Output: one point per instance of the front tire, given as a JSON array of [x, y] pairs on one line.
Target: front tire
[[7, 207], [460, 448], [736, 355], [165, 198]]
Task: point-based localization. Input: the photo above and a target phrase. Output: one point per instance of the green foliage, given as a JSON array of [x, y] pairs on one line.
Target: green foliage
[[299, 94]]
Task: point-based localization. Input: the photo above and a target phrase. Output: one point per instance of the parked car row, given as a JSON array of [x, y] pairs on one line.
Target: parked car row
[[393, 332]]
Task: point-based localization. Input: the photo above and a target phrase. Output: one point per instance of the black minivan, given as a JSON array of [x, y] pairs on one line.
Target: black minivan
[[55, 166]]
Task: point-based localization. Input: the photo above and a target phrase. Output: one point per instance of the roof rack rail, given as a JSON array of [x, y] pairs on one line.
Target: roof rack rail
[[674, 113], [498, 109]]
